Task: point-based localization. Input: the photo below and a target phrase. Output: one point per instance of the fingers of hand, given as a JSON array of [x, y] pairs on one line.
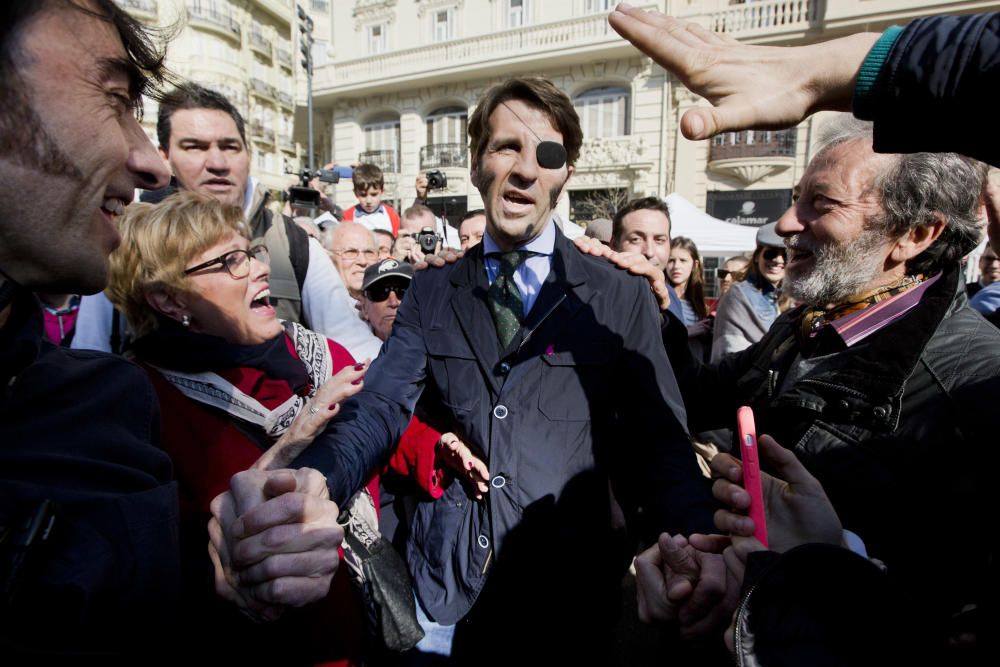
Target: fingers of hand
[[709, 589], [247, 488], [713, 544], [726, 467], [315, 564], [730, 494], [287, 539], [289, 508], [290, 591], [734, 524], [784, 461]]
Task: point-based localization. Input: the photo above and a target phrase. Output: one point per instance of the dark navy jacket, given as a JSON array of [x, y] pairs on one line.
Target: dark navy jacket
[[584, 393]]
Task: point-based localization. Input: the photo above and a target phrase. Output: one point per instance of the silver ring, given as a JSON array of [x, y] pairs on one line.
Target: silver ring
[[313, 410]]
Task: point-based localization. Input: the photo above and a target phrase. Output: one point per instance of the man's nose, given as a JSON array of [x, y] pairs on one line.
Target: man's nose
[[216, 160], [789, 223], [648, 249], [147, 168]]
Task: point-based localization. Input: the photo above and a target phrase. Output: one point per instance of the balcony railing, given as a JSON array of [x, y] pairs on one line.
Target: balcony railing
[[585, 32], [286, 99], [386, 160], [434, 156], [220, 20], [258, 131], [285, 143], [753, 144], [138, 7], [260, 43], [765, 16], [284, 57], [262, 88]]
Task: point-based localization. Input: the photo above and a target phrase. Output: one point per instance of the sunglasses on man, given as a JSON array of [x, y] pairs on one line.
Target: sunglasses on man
[[379, 293]]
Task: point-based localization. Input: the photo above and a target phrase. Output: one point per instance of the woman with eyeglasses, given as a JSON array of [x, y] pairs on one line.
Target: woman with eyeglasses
[[232, 381], [751, 305]]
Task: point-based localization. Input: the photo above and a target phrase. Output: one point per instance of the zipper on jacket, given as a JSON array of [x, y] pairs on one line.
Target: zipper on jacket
[[772, 382]]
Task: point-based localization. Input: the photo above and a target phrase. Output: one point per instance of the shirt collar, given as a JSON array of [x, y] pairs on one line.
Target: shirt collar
[[543, 244], [858, 326]]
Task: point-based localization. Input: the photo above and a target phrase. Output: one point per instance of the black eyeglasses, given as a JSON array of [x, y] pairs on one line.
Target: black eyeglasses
[[722, 273], [772, 253], [380, 293], [236, 262]]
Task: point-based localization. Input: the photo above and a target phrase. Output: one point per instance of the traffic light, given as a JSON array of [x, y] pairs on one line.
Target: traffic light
[[305, 39]]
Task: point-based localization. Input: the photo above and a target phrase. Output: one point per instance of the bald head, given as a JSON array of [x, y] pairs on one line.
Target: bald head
[[352, 247]]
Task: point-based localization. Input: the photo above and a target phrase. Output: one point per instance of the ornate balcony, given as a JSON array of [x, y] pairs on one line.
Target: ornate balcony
[[220, 22], [436, 156], [260, 44], [139, 8], [765, 17], [286, 144], [286, 100], [262, 88], [497, 51], [753, 154], [284, 57], [386, 160], [261, 133]]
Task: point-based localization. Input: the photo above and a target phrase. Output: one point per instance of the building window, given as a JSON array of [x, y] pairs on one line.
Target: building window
[[382, 144], [376, 38], [517, 13], [442, 28], [603, 112], [598, 5], [448, 126]]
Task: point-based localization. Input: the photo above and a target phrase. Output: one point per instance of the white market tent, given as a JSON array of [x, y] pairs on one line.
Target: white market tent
[[711, 235]]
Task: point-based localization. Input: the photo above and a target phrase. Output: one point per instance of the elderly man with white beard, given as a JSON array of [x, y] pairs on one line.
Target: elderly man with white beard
[[882, 381]]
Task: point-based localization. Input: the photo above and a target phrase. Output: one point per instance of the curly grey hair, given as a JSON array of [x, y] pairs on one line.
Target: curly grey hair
[[914, 189]]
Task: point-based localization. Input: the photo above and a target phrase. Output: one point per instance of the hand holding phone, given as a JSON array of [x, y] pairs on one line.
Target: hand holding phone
[[747, 431]]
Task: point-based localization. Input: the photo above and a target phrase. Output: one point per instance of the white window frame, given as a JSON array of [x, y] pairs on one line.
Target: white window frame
[[592, 105], [516, 17], [437, 35], [378, 43], [448, 127]]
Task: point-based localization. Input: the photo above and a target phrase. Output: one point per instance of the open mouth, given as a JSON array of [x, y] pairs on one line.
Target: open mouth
[[113, 206], [262, 300], [516, 202]]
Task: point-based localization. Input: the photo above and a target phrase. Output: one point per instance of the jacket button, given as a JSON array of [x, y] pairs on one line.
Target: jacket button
[[504, 368], [881, 411], [483, 542], [843, 405], [498, 482], [500, 411]]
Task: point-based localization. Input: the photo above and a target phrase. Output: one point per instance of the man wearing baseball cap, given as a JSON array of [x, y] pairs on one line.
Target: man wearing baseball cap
[[383, 287]]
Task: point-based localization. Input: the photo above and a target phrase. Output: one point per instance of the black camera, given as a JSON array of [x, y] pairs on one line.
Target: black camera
[[436, 180], [428, 240]]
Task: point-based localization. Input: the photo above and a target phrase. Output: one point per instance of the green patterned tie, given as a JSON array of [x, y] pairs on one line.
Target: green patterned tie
[[505, 299]]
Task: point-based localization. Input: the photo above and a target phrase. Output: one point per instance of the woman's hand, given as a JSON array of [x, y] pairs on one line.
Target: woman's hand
[[313, 416], [457, 456]]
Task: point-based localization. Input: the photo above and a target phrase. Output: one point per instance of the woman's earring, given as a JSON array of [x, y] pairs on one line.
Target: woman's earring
[[186, 321]]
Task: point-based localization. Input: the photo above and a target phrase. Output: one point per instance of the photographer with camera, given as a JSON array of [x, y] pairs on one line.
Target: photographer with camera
[[417, 235]]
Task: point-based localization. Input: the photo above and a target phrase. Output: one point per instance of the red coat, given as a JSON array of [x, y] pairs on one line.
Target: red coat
[[207, 449]]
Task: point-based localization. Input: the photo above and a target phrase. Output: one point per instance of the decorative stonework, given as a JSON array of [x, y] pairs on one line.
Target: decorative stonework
[[373, 11], [602, 153], [751, 170], [424, 6]]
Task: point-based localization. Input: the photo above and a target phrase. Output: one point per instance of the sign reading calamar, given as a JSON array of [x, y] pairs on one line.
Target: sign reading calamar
[[752, 208]]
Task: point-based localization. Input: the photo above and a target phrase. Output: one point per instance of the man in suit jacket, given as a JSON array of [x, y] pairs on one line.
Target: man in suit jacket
[[550, 364]]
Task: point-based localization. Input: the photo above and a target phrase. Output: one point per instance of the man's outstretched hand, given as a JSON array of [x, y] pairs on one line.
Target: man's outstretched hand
[[749, 86]]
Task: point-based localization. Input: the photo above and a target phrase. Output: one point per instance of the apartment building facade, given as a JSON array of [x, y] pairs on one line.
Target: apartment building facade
[[244, 50], [396, 80]]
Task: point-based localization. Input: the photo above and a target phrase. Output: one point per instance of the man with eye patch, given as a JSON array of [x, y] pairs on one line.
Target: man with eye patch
[[549, 365]]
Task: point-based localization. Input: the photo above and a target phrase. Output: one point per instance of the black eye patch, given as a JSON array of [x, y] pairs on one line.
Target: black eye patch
[[550, 155]]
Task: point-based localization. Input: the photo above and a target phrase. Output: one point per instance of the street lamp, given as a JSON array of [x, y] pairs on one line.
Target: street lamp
[[305, 47]]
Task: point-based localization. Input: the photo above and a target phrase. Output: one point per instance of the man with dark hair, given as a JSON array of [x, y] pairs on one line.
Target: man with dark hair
[[472, 228], [89, 556], [643, 226], [202, 136], [550, 366]]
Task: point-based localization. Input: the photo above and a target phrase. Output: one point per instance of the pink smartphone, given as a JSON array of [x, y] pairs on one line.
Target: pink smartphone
[[751, 471]]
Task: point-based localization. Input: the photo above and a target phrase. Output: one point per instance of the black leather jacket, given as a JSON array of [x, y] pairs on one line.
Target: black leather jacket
[[895, 428]]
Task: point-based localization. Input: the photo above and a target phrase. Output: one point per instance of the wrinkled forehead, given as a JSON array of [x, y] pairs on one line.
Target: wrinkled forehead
[[852, 166], [522, 117]]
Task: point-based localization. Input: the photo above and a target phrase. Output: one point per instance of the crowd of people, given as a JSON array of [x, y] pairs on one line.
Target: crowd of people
[[391, 438]]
